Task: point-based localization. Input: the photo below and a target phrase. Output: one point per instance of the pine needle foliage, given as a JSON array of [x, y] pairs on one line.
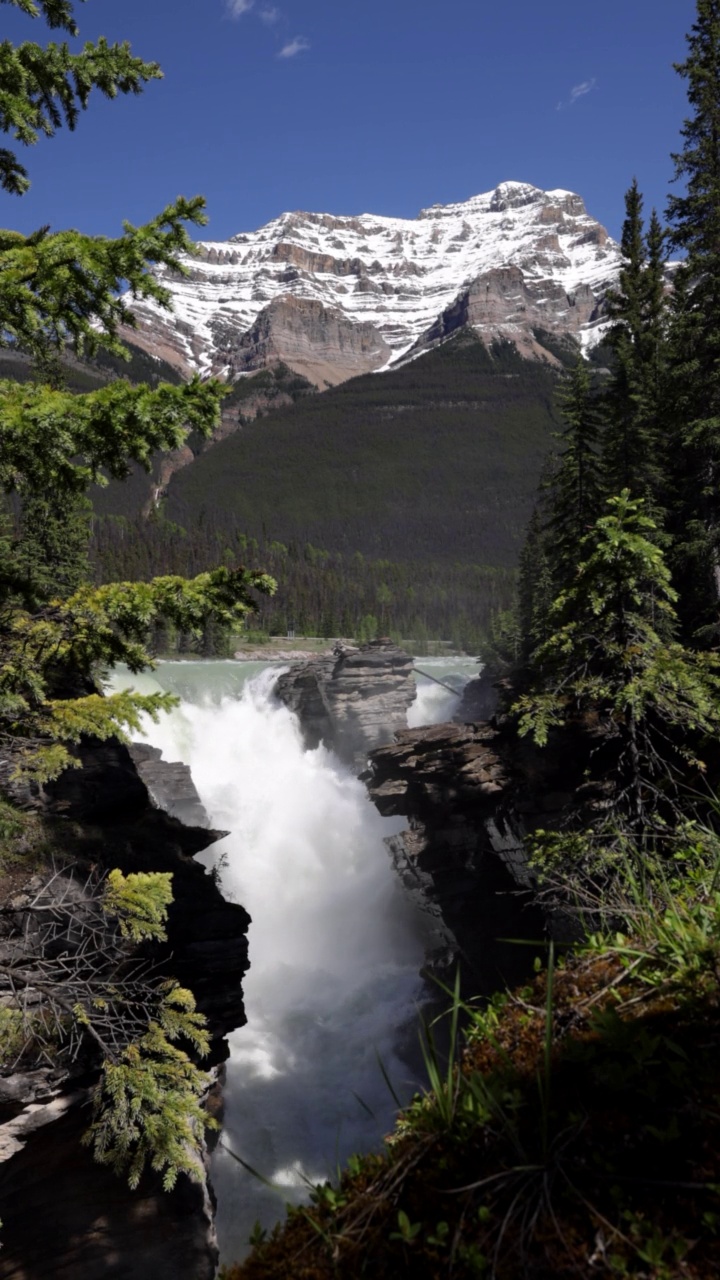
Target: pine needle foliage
[[69, 289], [575, 490], [78, 986], [693, 418], [146, 1109], [632, 439], [612, 656], [66, 641], [139, 902], [46, 88]]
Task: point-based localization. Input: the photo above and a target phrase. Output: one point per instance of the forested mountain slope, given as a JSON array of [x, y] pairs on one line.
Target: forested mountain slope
[[437, 460]]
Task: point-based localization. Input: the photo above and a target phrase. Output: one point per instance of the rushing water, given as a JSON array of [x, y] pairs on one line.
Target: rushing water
[[335, 948]]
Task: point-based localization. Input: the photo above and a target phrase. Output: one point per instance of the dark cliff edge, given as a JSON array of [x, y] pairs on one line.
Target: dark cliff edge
[[462, 856], [473, 791], [63, 1216]]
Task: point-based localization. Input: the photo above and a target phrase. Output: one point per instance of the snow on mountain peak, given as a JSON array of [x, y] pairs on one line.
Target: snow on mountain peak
[[337, 295]]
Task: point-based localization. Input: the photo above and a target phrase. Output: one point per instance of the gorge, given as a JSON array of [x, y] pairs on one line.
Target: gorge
[[336, 947], [334, 988]]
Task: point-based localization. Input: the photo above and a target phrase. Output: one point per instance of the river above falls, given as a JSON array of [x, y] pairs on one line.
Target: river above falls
[[336, 949]]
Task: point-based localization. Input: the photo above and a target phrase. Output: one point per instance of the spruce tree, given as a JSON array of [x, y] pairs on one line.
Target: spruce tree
[[535, 589], [631, 439], [59, 291], [694, 404], [69, 290], [574, 492], [613, 662]]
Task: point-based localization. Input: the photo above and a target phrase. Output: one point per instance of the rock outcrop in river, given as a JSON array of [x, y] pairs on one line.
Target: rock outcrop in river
[[353, 699]]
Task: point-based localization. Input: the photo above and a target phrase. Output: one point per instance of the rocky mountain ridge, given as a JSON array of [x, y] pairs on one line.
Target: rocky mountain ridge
[[334, 297]]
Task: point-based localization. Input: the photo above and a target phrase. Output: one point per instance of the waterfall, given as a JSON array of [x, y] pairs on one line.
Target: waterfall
[[335, 948], [435, 702]]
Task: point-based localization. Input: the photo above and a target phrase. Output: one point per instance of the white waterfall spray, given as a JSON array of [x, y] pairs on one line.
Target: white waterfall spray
[[335, 948]]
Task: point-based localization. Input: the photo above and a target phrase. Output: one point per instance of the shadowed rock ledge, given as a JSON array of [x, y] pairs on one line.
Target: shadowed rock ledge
[[461, 857]]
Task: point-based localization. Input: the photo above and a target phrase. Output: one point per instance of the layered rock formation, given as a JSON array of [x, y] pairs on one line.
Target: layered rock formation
[[506, 304], [462, 856], [472, 791], [318, 341], [115, 811], [353, 699], [333, 297]]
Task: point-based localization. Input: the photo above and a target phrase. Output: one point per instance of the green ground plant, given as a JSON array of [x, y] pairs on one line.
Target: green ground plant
[[576, 1135]]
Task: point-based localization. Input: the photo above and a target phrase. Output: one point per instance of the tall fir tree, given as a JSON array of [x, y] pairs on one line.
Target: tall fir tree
[[631, 438], [535, 587], [612, 662], [693, 420], [574, 493], [71, 290]]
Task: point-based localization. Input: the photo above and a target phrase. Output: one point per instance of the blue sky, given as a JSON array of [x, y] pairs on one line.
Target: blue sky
[[384, 106]]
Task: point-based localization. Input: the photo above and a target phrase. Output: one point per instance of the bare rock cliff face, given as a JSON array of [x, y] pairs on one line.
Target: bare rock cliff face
[[506, 304], [461, 856], [315, 340], [472, 790], [66, 1218], [63, 1216], [353, 699]]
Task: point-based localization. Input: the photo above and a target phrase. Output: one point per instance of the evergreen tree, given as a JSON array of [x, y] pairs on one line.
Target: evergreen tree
[[60, 290], [46, 88], [51, 554], [694, 408], [656, 315], [574, 492], [631, 439], [535, 587], [613, 657], [71, 290]]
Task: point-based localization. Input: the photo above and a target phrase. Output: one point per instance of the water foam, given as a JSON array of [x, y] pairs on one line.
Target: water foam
[[335, 950]]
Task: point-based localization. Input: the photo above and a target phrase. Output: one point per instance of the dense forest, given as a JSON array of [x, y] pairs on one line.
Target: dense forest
[[320, 593], [391, 504]]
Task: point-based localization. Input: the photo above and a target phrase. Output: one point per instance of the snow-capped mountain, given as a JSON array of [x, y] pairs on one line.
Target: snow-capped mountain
[[333, 297]]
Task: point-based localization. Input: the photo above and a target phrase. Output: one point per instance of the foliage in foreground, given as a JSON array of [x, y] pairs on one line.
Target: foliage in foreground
[[579, 1134], [44, 653], [76, 990]]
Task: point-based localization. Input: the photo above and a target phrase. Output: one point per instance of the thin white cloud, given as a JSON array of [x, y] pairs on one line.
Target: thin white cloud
[[269, 15], [578, 91], [236, 8], [294, 47]]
